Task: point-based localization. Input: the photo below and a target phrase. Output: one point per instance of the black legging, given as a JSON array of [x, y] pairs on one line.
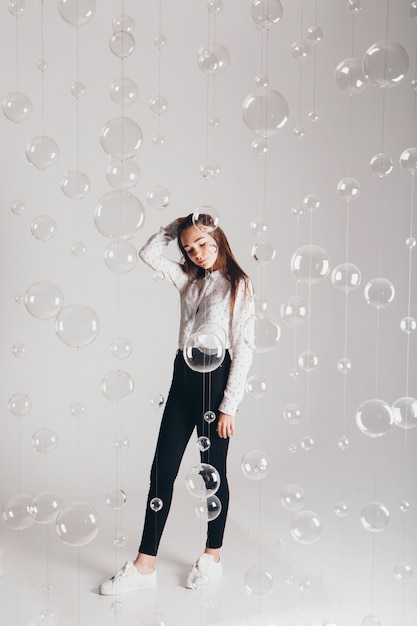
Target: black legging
[[184, 410]]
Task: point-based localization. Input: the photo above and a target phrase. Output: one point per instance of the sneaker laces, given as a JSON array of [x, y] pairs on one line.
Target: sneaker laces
[[124, 571]]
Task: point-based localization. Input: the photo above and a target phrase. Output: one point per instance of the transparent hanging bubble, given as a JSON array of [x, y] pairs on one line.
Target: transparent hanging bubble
[[124, 23], [385, 63], [158, 197], [121, 348], [43, 228], [213, 59], [42, 152], [259, 146], [17, 207], [414, 84], [120, 256], [124, 90], [208, 509], [293, 413], [305, 586], [156, 504], [308, 361], [75, 184], [204, 352], [307, 443], [292, 448], [44, 440], [306, 527], [20, 404], [258, 583], [379, 292], [77, 12], [300, 50], [261, 304], [344, 365], [203, 480], [120, 444], [121, 138], [203, 443], [314, 34], [411, 242], [158, 104], [255, 465], [210, 170], [123, 174], [206, 218], [341, 509], [77, 524], [265, 111], [119, 215], [256, 386], [313, 116], [214, 6], [354, 6], [404, 412], [117, 385], [310, 264], [17, 8], [263, 252], [77, 89], [346, 277], [122, 44], [157, 400], [371, 620], [77, 325], [350, 77], [259, 227], [374, 418], [120, 540], [412, 10], [17, 107], [42, 65], [199, 580], [117, 607], [294, 310], [405, 506], [403, 572], [343, 442], [209, 417], [262, 333], [381, 165], [408, 160], [294, 373], [293, 497], [44, 507], [299, 132], [19, 350], [77, 409], [348, 189], [116, 499], [408, 325], [160, 40], [311, 202], [78, 249], [43, 300], [16, 512], [265, 13], [374, 516], [158, 140]]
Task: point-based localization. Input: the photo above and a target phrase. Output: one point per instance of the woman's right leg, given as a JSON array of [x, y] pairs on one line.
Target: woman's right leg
[[175, 431]]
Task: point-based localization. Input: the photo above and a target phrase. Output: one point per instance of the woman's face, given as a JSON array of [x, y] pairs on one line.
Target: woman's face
[[200, 247]]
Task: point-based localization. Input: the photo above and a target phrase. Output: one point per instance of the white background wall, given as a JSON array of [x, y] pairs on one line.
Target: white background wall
[[350, 130]]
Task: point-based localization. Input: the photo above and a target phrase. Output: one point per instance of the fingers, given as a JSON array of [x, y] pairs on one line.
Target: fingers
[[225, 427]]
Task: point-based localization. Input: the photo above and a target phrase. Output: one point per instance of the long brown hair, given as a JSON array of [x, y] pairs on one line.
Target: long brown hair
[[226, 262]]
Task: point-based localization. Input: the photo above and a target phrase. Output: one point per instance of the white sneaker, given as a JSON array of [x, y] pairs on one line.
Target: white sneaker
[[128, 579], [204, 572]]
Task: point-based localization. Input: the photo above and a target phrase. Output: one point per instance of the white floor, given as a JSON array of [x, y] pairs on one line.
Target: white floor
[[336, 581]]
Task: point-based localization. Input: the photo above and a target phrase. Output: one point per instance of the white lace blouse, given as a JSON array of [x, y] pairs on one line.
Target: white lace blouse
[[207, 300]]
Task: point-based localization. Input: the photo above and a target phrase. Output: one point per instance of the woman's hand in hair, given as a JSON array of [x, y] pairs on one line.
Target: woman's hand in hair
[[225, 425]]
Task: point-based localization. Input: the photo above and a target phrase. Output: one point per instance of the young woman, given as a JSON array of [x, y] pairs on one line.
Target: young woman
[[213, 290]]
